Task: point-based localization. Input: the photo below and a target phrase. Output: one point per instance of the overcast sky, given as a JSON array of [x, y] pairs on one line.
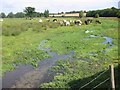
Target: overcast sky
[[56, 5]]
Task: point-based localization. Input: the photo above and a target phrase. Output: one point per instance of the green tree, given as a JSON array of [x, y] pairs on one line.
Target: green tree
[[46, 13], [29, 11], [36, 14], [113, 8], [2, 15], [81, 14], [109, 12], [19, 15], [118, 14], [97, 15], [10, 15]]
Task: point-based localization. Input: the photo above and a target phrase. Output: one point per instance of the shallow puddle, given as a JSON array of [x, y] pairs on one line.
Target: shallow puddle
[[108, 41]]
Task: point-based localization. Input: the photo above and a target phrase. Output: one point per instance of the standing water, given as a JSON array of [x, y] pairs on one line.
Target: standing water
[[26, 76], [108, 41]]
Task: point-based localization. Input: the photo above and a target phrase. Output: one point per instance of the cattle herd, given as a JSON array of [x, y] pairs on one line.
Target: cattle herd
[[72, 22]]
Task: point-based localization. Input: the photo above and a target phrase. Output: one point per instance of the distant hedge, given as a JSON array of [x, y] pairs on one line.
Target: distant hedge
[[109, 12]]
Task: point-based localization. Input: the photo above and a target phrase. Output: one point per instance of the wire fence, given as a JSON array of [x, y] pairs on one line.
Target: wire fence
[[94, 80], [100, 83]]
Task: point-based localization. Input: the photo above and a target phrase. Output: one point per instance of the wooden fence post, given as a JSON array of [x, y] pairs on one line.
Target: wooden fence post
[[112, 77]]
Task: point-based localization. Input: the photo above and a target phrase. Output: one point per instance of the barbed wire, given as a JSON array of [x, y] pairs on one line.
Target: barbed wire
[[100, 83], [93, 79]]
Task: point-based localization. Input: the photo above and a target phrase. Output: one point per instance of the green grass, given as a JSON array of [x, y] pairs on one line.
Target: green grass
[[21, 38], [21, 49], [75, 74]]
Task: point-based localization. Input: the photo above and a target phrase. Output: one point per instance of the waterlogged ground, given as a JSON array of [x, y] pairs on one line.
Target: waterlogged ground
[[69, 52], [29, 77]]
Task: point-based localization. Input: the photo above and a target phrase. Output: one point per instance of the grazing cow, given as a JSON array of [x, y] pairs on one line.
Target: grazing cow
[[54, 20], [78, 22], [88, 21], [64, 20], [98, 22], [70, 21], [66, 23], [1, 20], [48, 20], [40, 20], [61, 23]]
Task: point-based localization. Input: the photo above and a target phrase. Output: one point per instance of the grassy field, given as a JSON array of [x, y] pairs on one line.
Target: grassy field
[[21, 38]]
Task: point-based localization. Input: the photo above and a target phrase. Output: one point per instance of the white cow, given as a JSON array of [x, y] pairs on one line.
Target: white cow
[[48, 20], [71, 21], [61, 23], [1, 20], [64, 20], [40, 20], [67, 23]]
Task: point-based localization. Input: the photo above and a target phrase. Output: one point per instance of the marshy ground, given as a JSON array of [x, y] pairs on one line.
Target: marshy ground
[[65, 55]]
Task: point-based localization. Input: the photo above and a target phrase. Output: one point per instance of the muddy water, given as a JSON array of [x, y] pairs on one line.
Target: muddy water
[[10, 77], [25, 76]]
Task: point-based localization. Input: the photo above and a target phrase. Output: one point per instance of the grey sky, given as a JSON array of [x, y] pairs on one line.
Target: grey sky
[[56, 5]]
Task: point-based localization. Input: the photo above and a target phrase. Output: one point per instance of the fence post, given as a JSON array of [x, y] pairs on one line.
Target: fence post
[[112, 77]]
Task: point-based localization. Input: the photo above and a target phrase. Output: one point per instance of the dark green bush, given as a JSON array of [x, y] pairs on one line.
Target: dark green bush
[[96, 15]]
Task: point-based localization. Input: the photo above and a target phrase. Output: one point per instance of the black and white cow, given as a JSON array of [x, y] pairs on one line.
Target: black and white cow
[[98, 22], [78, 22], [88, 21], [66, 23], [54, 20]]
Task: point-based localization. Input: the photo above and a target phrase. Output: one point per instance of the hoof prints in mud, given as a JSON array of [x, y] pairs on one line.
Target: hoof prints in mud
[[26, 76]]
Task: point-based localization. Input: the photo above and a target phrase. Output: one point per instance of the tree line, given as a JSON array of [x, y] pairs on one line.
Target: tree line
[[27, 12], [109, 12], [30, 12]]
